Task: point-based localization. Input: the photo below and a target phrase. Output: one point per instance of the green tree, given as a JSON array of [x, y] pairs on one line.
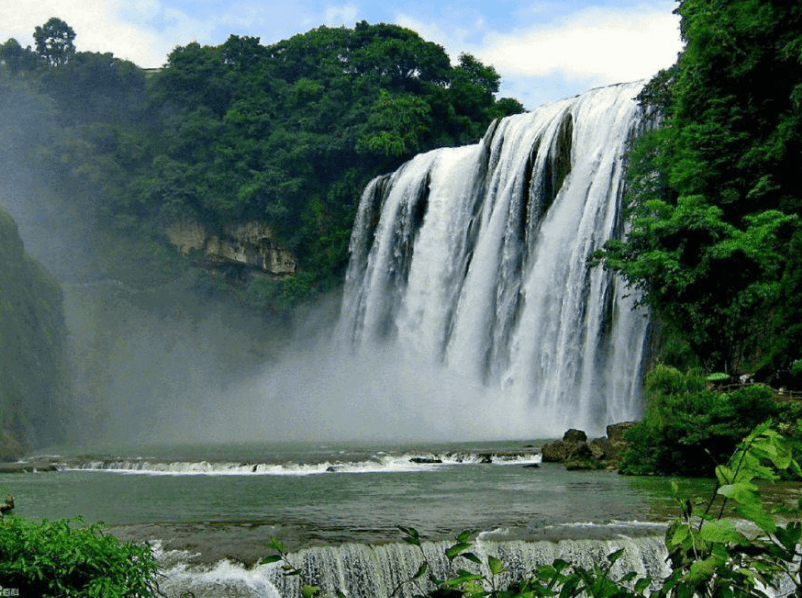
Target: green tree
[[54, 42], [714, 199], [16, 58]]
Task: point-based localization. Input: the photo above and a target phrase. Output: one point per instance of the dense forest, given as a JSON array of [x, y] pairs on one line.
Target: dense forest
[[716, 197], [715, 201], [286, 134]]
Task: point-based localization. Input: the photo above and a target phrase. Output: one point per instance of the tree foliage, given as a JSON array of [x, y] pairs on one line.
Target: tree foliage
[[287, 133], [715, 199], [55, 42]]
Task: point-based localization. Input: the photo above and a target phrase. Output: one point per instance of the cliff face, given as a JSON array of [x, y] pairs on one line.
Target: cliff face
[[32, 359], [250, 244]]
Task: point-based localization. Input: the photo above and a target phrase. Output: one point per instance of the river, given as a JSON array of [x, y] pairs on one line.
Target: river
[[210, 510]]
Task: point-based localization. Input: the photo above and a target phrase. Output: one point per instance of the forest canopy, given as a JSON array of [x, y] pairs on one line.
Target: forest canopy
[[715, 194], [287, 133]]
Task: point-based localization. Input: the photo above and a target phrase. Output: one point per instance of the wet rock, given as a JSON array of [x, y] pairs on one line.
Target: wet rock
[[576, 453], [615, 432], [8, 505], [572, 446], [425, 460], [601, 448], [575, 436]]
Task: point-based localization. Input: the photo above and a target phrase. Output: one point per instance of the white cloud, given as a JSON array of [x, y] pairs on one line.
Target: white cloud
[[341, 15], [604, 45], [452, 41], [143, 31]]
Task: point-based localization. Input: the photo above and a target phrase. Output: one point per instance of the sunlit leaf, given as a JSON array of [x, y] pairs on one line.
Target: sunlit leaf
[[455, 550], [495, 565], [309, 591], [723, 531], [755, 513]]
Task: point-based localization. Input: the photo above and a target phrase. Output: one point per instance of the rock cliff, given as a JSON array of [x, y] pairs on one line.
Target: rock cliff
[[32, 358], [249, 244]]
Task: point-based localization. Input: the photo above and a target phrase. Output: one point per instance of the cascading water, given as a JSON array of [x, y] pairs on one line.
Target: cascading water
[[361, 571], [476, 260]]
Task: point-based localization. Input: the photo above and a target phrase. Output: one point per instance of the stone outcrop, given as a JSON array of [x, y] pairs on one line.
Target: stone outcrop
[[249, 244], [576, 452]]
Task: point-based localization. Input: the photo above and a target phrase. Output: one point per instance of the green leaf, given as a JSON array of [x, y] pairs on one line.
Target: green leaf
[[309, 591], [273, 558], [678, 535], [409, 531], [725, 475], [275, 544], [462, 577], [495, 565], [614, 556], [471, 557], [704, 569], [723, 531], [743, 492], [465, 535], [453, 551], [789, 535], [754, 512], [642, 585]]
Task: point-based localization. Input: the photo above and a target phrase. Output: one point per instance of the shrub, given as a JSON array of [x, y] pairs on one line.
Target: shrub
[[66, 558], [688, 427]]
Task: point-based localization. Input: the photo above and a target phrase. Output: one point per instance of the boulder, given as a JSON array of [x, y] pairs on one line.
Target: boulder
[[615, 432], [572, 446], [575, 436], [555, 452], [601, 448], [576, 452], [7, 506]]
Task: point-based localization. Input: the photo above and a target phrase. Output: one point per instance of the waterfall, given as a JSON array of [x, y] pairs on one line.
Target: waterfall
[[475, 261], [361, 571]]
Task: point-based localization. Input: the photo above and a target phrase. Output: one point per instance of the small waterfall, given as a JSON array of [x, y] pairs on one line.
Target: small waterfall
[[361, 571], [476, 261]]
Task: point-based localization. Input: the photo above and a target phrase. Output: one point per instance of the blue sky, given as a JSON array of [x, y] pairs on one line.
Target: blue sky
[[543, 50]]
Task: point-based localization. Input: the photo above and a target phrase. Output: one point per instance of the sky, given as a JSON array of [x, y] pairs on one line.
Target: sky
[[543, 50]]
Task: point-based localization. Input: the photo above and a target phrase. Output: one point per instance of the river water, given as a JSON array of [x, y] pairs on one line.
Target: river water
[[210, 510]]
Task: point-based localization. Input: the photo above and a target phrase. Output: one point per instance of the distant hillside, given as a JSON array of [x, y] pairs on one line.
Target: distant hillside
[[32, 333]]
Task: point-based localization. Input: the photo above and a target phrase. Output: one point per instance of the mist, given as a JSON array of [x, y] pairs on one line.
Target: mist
[[180, 362], [173, 376]]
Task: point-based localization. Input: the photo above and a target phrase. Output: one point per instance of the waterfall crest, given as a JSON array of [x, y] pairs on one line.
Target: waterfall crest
[[474, 262]]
